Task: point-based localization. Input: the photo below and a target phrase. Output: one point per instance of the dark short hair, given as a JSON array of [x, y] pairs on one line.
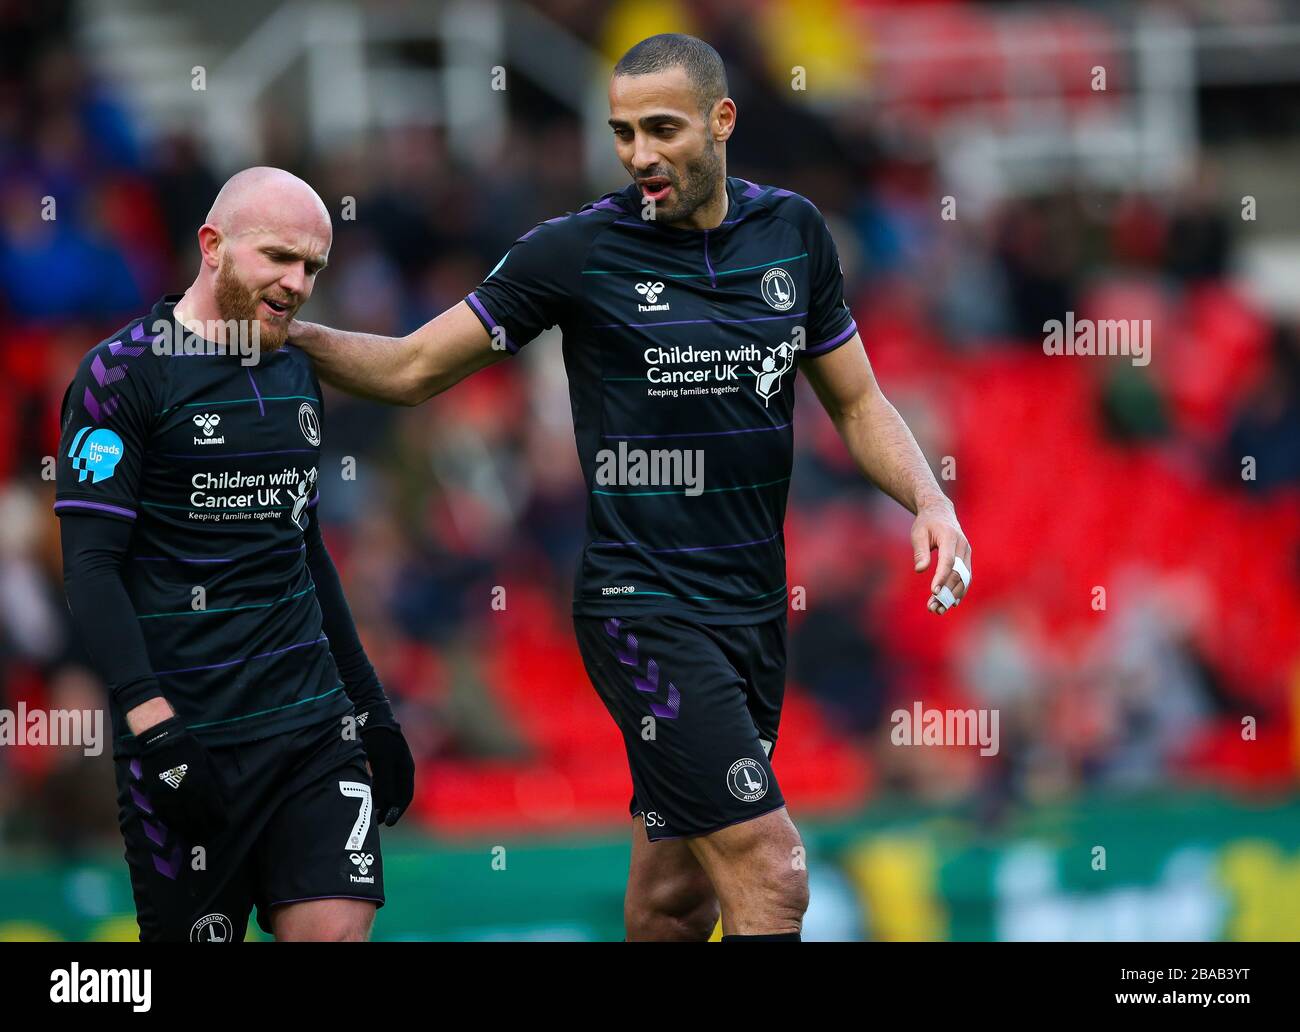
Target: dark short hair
[[704, 68]]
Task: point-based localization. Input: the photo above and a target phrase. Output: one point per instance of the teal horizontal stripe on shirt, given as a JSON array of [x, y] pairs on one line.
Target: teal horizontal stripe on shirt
[[229, 609], [689, 275], [273, 709], [244, 401]]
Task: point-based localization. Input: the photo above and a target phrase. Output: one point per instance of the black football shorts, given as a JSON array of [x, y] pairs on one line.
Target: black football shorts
[[300, 828], [698, 706]]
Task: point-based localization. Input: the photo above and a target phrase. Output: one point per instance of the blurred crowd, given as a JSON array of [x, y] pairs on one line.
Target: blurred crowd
[[1069, 474]]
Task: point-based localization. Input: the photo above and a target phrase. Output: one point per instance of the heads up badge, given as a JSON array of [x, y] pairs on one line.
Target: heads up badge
[[95, 453]]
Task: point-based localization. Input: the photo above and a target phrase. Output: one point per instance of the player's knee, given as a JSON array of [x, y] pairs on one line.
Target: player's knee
[[327, 931], [779, 886], [323, 923], [681, 910], [791, 888], [345, 931], [693, 925]]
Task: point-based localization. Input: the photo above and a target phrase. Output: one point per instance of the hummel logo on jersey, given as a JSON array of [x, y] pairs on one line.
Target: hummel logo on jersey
[[175, 776], [363, 861], [207, 422], [651, 290]]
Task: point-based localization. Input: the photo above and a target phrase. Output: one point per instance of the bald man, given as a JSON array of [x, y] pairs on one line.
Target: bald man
[[247, 719]]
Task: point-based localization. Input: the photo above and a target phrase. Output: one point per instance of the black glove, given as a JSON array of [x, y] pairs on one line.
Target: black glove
[[181, 781], [392, 767]]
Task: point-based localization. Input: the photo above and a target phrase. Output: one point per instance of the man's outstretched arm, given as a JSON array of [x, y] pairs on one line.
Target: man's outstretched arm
[[888, 455], [402, 370]]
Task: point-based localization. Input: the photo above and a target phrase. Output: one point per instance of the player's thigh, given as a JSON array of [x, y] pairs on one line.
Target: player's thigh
[[664, 876], [756, 865], [324, 920], [321, 843]]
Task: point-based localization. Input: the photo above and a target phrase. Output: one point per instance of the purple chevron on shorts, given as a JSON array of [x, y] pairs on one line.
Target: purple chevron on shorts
[[141, 801], [170, 867], [627, 655]]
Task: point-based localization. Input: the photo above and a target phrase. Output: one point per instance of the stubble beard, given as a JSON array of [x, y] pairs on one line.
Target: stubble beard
[[697, 187]]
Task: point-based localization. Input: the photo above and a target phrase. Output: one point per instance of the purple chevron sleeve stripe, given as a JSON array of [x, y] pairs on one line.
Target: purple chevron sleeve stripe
[[141, 801], [99, 412], [120, 348], [105, 376], [157, 834]]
